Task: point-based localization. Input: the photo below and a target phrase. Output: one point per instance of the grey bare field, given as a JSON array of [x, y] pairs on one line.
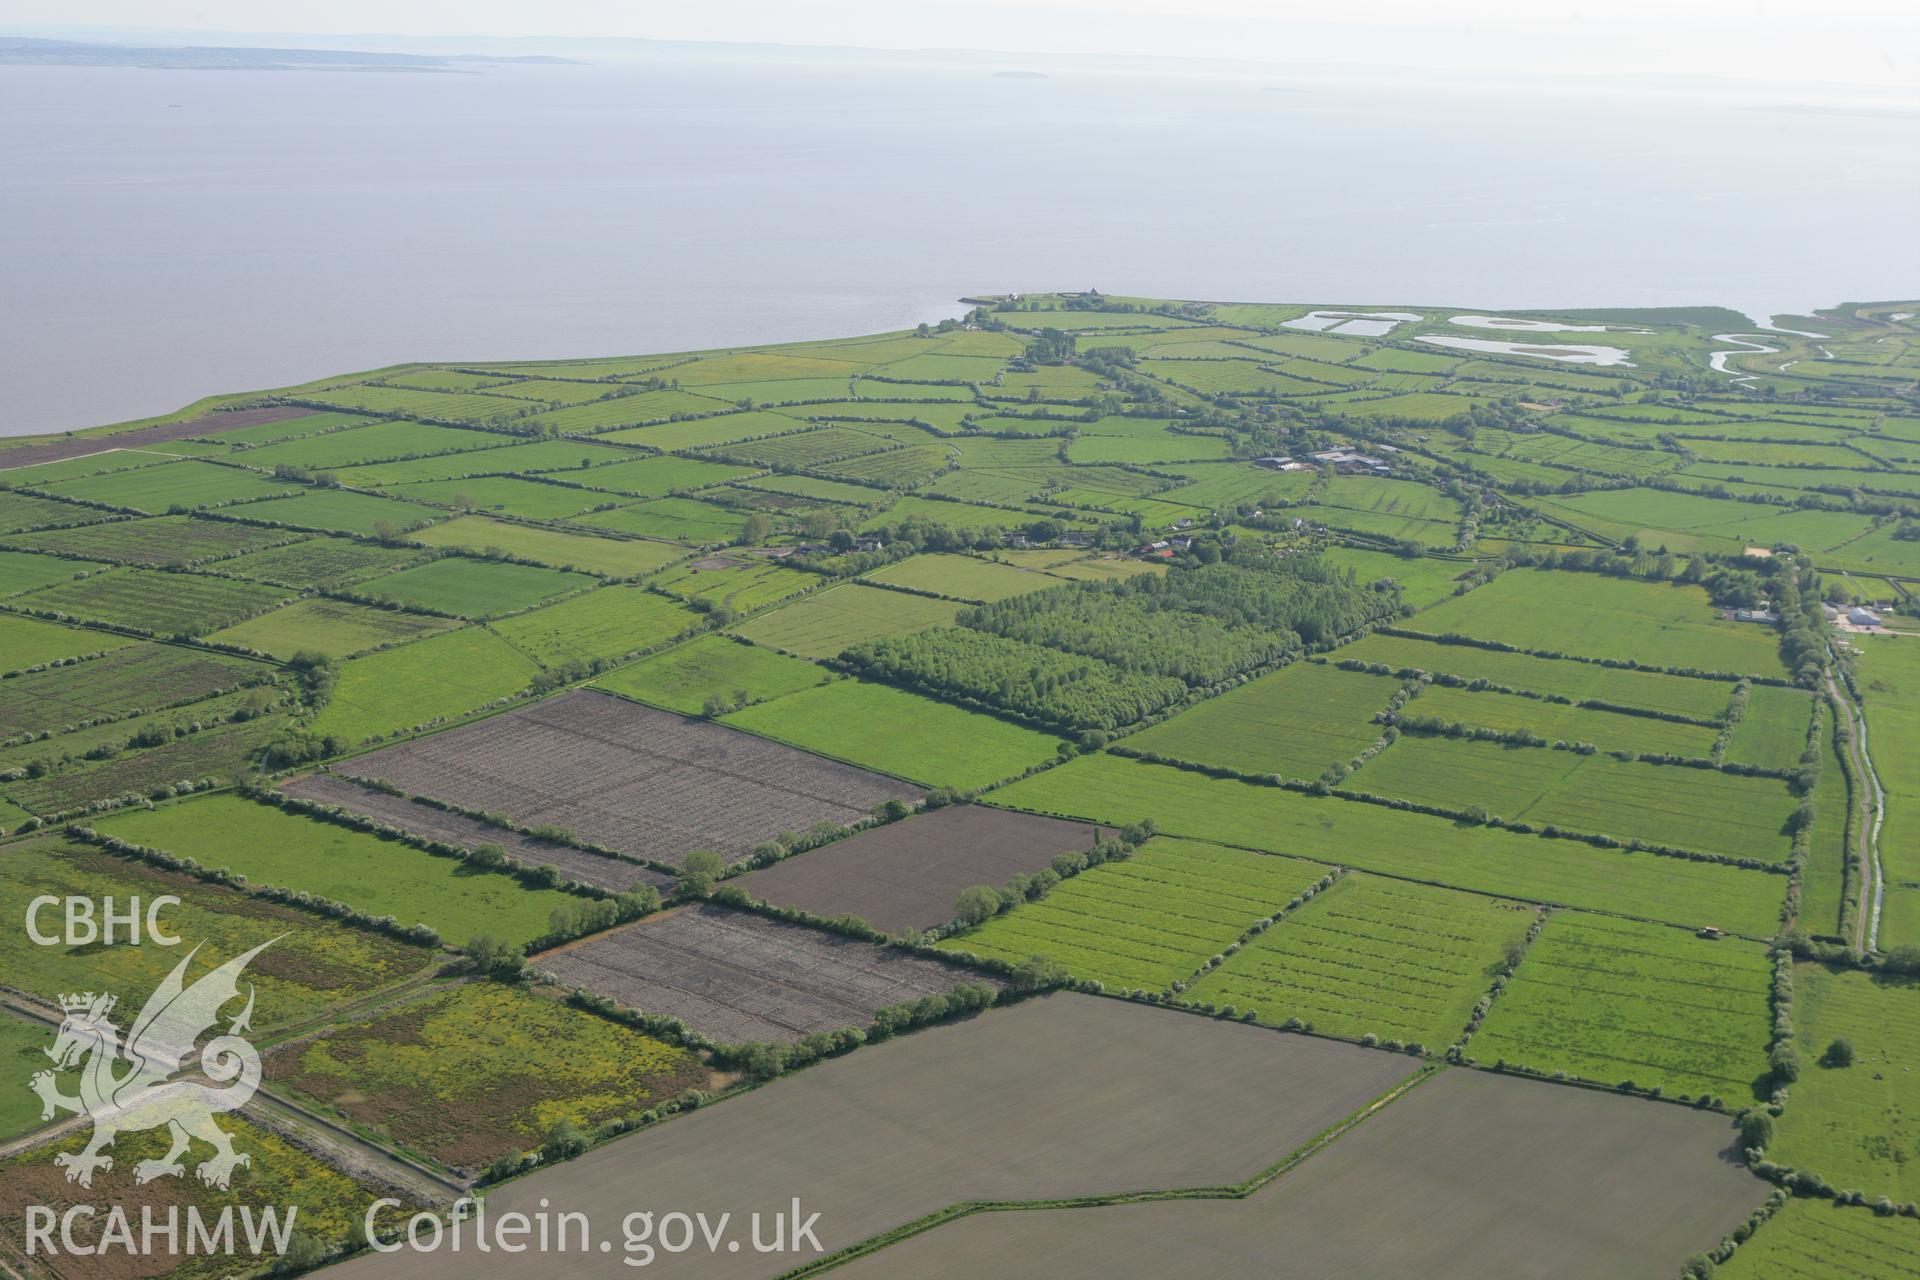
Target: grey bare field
[[645, 782], [736, 976], [1066, 1095], [906, 875], [433, 823], [1468, 1176]]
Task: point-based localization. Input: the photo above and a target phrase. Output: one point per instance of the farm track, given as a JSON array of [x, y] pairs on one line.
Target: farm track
[[1869, 810]]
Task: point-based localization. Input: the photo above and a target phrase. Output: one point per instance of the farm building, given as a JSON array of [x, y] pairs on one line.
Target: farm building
[[1347, 461]]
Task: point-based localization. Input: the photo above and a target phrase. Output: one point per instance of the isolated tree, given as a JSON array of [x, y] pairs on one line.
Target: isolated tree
[[976, 903], [1038, 973], [563, 1141], [506, 1164], [1838, 1054], [495, 958], [699, 871], [304, 1252]]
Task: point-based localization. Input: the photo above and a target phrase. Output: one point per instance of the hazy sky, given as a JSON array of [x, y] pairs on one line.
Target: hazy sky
[[1860, 42]]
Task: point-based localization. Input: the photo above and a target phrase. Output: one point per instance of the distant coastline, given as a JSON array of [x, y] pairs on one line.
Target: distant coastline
[[26, 51]]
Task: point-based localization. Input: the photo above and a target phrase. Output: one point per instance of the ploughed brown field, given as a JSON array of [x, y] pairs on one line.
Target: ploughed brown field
[[27, 455], [1468, 1176], [1060, 1096], [433, 823], [645, 782], [906, 875], [736, 976]]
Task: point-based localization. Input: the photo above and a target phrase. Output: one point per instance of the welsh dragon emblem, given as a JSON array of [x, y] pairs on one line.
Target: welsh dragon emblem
[[146, 1094]]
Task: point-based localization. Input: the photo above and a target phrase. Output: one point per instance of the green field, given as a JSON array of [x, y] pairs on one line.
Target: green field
[[741, 584], [1657, 623], [1889, 683], [25, 511], [339, 511], [1773, 732], [609, 623], [312, 965], [433, 679], [380, 877], [687, 520], [1611, 1000], [609, 557], [1672, 805], [1819, 1240], [137, 677], [466, 587], [220, 750], [1400, 961], [183, 485], [963, 577], [25, 570], [1149, 921], [359, 445], [337, 628], [1559, 722], [29, 642], [1581, 681], [658, 477], [319, 562], [23, 1051], [467, 1073], [1423, 580], [1294, 722], [1856, 1126], [507, 495], [1107, 788], [701, 433], [824, 624], [685, 676], [163, 604], [901, 733], [155, 541], [566, 457]]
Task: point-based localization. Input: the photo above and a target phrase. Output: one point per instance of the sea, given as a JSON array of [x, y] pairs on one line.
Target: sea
[[169, 234]]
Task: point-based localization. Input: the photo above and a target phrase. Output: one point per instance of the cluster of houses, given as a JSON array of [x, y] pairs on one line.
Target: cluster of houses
[[1165, 548], [1345, 461]]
